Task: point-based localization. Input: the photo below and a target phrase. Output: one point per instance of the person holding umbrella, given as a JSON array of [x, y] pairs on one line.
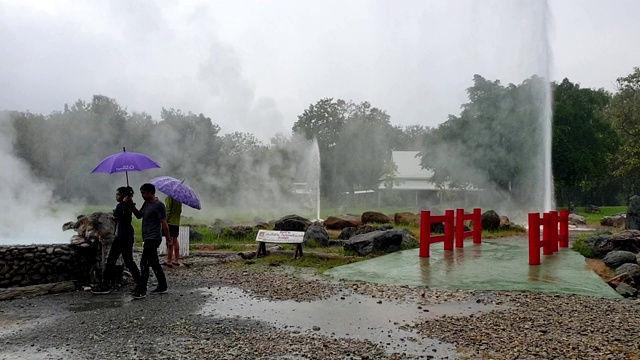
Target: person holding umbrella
[[174, 211], [122, 243], [154, 222], [178, 193]]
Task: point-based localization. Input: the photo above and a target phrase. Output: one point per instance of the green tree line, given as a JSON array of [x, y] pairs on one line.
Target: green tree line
[[596, 143]]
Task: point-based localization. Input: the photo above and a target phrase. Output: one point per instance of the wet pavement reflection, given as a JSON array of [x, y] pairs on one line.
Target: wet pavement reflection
[[345, 315]]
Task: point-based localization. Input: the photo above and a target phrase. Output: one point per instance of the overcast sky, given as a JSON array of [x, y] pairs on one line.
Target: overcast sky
[[254, 66]]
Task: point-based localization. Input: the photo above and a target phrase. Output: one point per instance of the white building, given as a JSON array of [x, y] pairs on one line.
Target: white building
[[412, 182]]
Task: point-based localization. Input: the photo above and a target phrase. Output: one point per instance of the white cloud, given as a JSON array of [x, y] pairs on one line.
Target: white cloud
[[255, 65]]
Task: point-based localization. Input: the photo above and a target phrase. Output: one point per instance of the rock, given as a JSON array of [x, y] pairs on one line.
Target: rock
[[316, 232], [380, 241], [292, 223], [437, 228], [194, 235], [262, 225], [490, 220], [366, 228], [374, 217], [626, 290], [505, 223], [616, 258], [247, 255], [627, 240], [592, 209], [339, 222], [633, 213], [238, 231], [347, 233], [406, 218], [577, 220], [600, 245], [617, 220], [632, 269]]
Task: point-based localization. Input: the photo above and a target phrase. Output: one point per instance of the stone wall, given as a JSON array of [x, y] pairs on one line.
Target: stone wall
[[23, 265]]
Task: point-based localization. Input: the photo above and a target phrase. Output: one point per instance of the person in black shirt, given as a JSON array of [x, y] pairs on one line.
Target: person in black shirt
[[154, 223], [123, 242]]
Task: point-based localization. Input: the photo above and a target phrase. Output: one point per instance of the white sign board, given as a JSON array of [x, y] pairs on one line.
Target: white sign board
[[282, 237]]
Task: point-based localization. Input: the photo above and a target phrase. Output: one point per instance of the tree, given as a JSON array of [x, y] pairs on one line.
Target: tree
[[409, 138], [31, 140], [364, 148], [324, 121], [583, 144], [624, 115], [494, 141], [354, 142]]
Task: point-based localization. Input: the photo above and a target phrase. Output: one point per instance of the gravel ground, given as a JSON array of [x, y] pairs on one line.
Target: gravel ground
[[80, 325]]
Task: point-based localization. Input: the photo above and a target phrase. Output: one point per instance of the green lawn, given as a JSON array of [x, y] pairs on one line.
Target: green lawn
[[594, 219]]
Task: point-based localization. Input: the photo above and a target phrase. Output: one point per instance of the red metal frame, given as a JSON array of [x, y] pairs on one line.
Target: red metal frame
[[426, 219], [555, 232], [461, 217], [563, 234]]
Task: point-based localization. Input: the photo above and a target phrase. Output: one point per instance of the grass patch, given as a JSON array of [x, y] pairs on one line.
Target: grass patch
[[513, 230], [594, 219], [580, 246]]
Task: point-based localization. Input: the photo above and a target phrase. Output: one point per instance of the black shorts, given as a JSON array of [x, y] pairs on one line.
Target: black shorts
[[174, 230]]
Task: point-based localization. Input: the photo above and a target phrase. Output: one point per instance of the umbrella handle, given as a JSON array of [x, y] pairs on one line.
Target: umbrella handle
[[126, 173]]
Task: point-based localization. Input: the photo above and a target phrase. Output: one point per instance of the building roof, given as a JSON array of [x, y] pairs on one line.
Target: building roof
[[409, 173]]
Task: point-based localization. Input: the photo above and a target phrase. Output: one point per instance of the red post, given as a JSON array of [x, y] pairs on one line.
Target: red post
[[563, 237], [448, 229], [534, 239], [477, 226], [553, 224], [461, 217], [459, 228], [546, 234], [425, 233]]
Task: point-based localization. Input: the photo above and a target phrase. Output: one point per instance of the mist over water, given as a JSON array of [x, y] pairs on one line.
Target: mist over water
[[539, 50], [522, 31], [500, 40], [29, 214]]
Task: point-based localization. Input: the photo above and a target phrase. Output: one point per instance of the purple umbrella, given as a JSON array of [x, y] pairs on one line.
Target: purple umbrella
[[125, 161], [177, 189]]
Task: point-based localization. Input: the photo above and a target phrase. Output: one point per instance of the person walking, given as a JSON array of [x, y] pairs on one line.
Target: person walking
[[154, 223], [174, 211], [122, 243]]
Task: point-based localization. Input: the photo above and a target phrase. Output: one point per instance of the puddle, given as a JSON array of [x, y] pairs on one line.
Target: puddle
[[347, 315], [99, 302], [10, 326]]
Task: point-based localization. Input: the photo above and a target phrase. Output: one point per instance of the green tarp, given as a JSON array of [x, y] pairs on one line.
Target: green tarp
[[500, 264]]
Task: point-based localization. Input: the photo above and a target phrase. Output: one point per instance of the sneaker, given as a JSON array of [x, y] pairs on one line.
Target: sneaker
[[101, 290], [158, 291], [138, 295]]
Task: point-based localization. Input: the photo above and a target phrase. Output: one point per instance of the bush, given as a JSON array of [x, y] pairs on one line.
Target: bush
[[584, 247]]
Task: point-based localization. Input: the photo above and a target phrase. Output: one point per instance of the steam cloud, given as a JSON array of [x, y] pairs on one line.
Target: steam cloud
[[29, 213]]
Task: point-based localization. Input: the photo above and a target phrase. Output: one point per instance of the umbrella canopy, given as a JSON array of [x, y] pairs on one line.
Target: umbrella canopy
[[125, 161], [177, 189]]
